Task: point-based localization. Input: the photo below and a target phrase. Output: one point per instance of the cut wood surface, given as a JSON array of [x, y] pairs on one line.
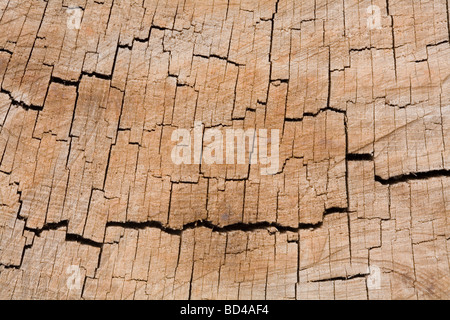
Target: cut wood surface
[[92, 205]]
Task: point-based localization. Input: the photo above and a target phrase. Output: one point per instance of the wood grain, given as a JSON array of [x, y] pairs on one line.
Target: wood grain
[[359, 207]]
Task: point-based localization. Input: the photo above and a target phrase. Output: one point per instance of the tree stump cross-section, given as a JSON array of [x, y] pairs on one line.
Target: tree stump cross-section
[[228, 149]]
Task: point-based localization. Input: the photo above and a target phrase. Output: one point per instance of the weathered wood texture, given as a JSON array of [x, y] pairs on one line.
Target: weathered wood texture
[[360, 205]]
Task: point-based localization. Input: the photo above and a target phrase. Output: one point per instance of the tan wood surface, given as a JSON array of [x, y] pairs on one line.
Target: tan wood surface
[[359, 207]]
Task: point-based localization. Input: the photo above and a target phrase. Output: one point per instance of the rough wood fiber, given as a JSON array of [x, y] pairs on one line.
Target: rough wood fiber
[[358, 209]]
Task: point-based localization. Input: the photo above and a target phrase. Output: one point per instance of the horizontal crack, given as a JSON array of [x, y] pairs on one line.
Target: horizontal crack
[[220, 58], [349, 277], [311, 114], [48, 227], [413, 176], [20, 103], [359, 157], [246, 227]]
